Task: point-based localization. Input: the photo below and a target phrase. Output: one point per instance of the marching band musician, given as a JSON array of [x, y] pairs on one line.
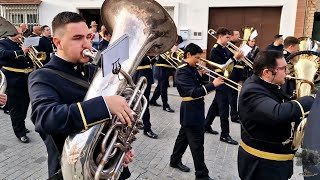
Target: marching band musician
[[224, 94], [163, 69], [192, 120], [291, 46], [238, 76], [45, 43], [145, 69], [266, 116], [16, 66], [58, 109]]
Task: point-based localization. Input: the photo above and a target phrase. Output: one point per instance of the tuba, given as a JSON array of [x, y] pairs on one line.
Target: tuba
[[247, 31], [305, 69], [98, 152]]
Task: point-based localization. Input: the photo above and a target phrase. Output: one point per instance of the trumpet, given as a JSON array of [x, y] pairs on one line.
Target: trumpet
[[35, 55], [233, 49]]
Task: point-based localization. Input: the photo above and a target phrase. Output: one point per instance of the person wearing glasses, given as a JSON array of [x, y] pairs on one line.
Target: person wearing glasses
[[268, 117]]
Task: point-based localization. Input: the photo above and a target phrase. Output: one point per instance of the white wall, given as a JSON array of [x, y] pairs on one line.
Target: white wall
[[188, 14]]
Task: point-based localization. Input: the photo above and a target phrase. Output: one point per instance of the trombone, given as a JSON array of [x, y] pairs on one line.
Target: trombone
[[168, 56], [209, 73], [34, 54], [233, 49], [179, 53]]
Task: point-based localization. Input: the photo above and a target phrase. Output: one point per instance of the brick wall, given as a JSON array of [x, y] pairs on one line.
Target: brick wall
[[305, 17]]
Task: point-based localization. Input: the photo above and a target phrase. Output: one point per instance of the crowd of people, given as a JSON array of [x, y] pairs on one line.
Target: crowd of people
[[265, 107]]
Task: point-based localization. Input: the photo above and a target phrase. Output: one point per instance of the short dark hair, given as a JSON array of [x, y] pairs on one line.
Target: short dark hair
[[233, 30], [64, 18], [223, 31], [44, 27], [290, 40], [277, 36], [193, 49], [266, 59]]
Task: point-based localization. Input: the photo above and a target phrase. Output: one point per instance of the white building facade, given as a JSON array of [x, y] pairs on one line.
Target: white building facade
[[191, 16]]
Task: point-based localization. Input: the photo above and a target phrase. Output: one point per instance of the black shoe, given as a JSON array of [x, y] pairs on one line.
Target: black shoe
[[154, 104], [168, 109], [27, 130], [211, 131], [228, 140], [204, 178], [24, 139], [151, 134], [181, 167], [235, 120]]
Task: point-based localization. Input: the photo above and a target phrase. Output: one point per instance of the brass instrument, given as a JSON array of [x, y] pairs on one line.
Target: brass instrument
[[180, 56], [173, 62], [247, 31], [98, 152], [233, 49], [209, 73], [305, 67], [35, 55]]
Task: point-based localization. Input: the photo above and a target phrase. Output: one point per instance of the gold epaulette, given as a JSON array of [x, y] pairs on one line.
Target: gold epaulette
[[216, 45]]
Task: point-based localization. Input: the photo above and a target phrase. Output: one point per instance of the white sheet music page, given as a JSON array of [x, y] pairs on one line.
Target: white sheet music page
[[117, 52], [31, 41]]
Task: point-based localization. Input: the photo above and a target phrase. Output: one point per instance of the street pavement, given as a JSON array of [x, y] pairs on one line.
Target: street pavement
[[29, 161]]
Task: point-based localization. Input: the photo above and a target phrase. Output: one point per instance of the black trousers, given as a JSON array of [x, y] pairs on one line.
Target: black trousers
[[194, 137], [212, 113], [161, 89], [18, 103], [253, 168], [233, 101], [146, 116]]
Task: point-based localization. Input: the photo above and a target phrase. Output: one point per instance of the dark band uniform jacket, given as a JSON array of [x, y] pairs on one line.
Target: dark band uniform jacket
[[46, 45], [192, 90], [11, 55], [266, 123], [57, 102], [145, 69], [221, 55], [311, 142], [163, 69], [16, 66]]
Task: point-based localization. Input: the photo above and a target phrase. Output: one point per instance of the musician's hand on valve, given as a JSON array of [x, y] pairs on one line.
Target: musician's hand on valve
[[25, 49], [217, 81], [118, 106], [128, 158], [238, 55]]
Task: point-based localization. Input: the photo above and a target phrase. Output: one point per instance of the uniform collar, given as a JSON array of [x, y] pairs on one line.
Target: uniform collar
[[265, 83]]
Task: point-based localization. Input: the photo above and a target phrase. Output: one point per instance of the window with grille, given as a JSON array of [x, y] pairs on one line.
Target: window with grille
[[21, 13]]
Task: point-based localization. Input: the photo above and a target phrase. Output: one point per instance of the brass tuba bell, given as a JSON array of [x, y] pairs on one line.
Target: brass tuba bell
[[247, 31], [306, 67]]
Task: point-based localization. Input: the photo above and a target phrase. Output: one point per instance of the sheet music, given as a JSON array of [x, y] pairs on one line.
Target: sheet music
[[253, 35], [117, 52], [31, 41]]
